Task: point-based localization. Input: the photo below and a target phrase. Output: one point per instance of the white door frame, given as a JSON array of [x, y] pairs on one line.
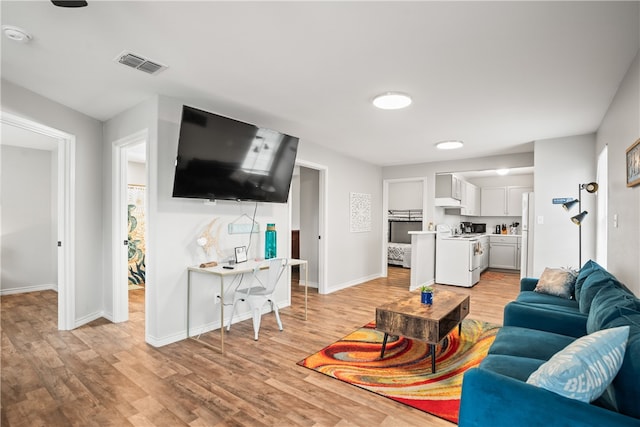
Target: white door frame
[[120, 227], [323, 244], [66, 214], [385, 214]]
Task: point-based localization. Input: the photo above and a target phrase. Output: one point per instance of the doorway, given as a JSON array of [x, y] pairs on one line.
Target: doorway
[[129, 205], [62, 146], [386, 205], [310, 198]]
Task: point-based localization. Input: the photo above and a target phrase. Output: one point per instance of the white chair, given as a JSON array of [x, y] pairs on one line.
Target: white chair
[[258, 296]]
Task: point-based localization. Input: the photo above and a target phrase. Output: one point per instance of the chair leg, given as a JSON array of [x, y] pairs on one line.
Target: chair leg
[[257, 317], [274, 308]]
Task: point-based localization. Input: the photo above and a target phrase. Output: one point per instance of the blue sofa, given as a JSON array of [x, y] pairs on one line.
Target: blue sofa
[[536, 326]]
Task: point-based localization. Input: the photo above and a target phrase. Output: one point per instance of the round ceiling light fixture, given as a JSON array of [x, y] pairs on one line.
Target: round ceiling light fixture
[[392, 101], [502, 171], [449, 145], [16, 34]]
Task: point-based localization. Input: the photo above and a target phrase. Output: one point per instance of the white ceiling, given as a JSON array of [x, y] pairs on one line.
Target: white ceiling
[[496, 75]]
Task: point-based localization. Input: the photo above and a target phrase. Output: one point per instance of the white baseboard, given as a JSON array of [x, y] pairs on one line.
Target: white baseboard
[[88, 318], [33, 288], [208, 327], [351, 283]]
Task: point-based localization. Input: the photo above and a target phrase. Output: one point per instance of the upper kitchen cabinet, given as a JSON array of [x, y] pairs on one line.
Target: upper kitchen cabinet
[[470, 199], [502, 201], [448, 190]]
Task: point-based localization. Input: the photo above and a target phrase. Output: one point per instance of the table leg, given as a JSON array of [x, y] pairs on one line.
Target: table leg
[[460, 329], [432, 348], [222, 314], [188, 299], [306, 287], [384, 345]]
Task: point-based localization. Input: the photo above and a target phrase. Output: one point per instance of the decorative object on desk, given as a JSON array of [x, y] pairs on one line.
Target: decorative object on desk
[[404, 374], [426, 294], [359, 212], [633, 164], [270, 242], [208, 264], [209, 239], [241, 254], [590, 187]]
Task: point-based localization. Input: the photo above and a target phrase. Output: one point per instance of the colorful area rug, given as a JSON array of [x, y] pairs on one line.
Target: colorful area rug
[[404, 374]]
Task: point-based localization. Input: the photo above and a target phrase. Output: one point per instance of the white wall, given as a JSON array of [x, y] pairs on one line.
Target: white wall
[[619, 129], [136, 173], [564, 163], [88, 169], [28, 228], [295, 199], [405, 195], [352, 257]]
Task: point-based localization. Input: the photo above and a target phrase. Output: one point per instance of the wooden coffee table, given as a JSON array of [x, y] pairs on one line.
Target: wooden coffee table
[[410, 318]]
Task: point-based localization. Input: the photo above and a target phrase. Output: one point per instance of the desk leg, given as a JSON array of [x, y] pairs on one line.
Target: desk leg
[[306, 287], [188, 299], [222, 314]]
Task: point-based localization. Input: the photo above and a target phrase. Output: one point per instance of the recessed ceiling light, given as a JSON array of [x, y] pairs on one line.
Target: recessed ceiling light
[[16, 34], [449, 145], [392, 100], [502, 171]]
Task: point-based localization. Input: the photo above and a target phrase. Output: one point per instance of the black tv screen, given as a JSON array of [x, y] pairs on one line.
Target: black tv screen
[[224, 159]]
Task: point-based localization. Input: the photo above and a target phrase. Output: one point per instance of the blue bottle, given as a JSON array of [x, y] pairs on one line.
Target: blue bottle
[[270, 247]]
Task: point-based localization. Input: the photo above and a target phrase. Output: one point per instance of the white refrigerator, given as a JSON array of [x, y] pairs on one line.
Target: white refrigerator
[[526, 244]]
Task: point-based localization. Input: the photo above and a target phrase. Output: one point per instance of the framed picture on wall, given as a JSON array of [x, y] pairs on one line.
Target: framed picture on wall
[[241, 254], [633, 164]]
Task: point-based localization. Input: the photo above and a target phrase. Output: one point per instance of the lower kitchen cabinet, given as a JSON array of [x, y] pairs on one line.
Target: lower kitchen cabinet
[[504, 252]]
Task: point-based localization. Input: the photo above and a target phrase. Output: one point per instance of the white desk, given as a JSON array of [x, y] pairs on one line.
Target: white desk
[[222, 273]]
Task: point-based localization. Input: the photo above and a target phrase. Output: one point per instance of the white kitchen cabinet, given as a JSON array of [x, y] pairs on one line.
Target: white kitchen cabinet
[[448, 186], [504, 252], [514, 200], [502, 201], [484, 259], [470, 199], [493, 201]]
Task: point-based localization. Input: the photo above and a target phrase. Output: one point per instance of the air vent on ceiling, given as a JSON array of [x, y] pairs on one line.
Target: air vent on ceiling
[[139, 63]]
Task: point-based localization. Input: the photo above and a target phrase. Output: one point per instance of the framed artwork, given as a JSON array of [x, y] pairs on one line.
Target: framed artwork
[[633, 164], [241, 254], [360, 212]]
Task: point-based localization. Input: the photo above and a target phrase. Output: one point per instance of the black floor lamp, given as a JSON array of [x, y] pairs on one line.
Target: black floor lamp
[[591, 187]]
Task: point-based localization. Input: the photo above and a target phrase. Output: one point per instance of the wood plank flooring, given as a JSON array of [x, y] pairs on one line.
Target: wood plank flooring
[[104, 374]]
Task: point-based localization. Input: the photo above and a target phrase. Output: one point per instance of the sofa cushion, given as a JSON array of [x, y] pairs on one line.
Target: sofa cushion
[[539, 298], [586, 367], [557, 281], [531, 343], [606, 304], [586, 270], [519, 368], [596, 281], [626, 387]]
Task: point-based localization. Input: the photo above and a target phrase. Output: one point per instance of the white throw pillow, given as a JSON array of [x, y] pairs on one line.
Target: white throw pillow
[[586, 367]]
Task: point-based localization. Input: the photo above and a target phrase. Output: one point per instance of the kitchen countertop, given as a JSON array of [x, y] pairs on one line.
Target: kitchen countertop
[[422, 232]]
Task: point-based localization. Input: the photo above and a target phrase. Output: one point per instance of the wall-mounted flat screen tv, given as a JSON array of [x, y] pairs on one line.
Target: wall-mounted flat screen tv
[[224, 159]]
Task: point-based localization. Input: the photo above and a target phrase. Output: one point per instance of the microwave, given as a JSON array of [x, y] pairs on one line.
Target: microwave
[[478, 228]]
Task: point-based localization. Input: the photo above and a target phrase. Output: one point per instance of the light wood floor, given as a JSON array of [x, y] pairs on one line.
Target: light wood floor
[[105, 374]]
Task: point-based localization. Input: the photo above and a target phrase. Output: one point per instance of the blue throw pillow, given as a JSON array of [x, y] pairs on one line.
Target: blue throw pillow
[[586, 367]]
